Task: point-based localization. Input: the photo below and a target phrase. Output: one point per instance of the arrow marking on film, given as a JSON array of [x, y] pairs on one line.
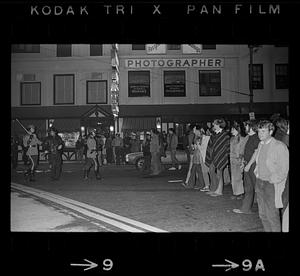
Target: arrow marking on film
[[90, 265], [231, 265]]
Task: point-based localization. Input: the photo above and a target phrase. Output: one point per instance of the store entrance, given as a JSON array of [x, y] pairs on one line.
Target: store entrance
[[101, 125], [96, 118]]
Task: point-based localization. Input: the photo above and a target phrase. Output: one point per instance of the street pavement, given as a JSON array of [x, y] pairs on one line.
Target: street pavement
[[123, 191]]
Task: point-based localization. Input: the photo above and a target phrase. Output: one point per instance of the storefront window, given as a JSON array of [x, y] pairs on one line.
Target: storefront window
[[139, 84], [69, 138], [174, 83]]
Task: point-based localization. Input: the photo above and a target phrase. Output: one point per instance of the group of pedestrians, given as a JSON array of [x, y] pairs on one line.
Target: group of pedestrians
[[258, 163], [111, 148], [256, 153], [154, 147]]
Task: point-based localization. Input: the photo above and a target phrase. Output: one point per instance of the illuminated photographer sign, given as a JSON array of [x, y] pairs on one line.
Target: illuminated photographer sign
[[175, 62]]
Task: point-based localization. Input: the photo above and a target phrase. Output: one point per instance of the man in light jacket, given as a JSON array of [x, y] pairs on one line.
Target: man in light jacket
[[272, 166]]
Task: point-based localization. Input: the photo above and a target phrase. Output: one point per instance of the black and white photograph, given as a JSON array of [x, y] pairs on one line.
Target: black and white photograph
[[150, 137]]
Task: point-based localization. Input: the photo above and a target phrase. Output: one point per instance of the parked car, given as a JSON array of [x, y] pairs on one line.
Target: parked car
[[137, 158]]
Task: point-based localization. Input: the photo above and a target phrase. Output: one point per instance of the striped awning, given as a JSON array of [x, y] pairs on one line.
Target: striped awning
[[138, 123]]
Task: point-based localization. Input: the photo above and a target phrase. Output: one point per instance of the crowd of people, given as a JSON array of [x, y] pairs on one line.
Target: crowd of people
[[256, 153], [253, 156]]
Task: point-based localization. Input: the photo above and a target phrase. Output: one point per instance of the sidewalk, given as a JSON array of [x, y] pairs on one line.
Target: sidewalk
[[33, 215]]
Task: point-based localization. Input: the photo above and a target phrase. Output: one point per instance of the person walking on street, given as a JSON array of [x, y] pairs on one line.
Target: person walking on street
[[147, 153], [196, 180], [237, 145], [194, 133], [272, 166], [217, 156], [251, 145], [126, 142], [186, 146], [205, 170], [117, 144], [91, 160], [172, 146], [109, 150], [31, 143], [79, 148], [99, 146], [156, 167], [135, 145], [53, 145], [14, 147]]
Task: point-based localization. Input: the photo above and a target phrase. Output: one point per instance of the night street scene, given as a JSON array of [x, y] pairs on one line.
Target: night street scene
[[149, 138]]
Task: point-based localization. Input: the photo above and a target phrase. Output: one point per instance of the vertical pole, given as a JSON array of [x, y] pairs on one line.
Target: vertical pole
[[250, 79]]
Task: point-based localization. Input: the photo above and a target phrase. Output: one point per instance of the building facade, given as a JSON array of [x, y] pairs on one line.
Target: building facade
[[160, 85]]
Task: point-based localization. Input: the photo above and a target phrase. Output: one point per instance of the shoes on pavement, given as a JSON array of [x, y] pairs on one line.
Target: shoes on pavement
[[239, 197], [205, 189], [238, 211], [196, 188], [210, 192], [172, 169], [215, 194], [179, 167], [185, 185]]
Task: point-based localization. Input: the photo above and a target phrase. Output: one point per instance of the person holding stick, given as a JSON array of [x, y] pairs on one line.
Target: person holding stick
[[31, 142]]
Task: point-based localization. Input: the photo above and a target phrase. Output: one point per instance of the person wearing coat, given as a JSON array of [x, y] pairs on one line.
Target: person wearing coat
[[217, 156], [237, 146], [272, 167], [156, 166], [172, 146]]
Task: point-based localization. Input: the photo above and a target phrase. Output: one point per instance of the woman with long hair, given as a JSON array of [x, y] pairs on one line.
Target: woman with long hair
[[237, 145]]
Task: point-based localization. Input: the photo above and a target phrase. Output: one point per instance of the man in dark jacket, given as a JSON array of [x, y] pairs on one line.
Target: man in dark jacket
[[172, 146], [249, 176], [147, 154], [53, 146]]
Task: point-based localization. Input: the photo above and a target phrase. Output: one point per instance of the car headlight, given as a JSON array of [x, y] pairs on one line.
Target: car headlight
[[127, 158]]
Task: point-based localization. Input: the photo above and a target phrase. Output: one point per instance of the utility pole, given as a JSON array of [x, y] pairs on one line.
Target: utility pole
[[251, 47]]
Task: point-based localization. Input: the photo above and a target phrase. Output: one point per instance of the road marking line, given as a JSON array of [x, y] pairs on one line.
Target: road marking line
[[83, 211], [91, 208]]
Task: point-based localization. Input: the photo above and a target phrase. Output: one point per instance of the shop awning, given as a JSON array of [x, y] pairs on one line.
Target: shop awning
[[180, 110], [52, 112], [67, 125], [138, 123]]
